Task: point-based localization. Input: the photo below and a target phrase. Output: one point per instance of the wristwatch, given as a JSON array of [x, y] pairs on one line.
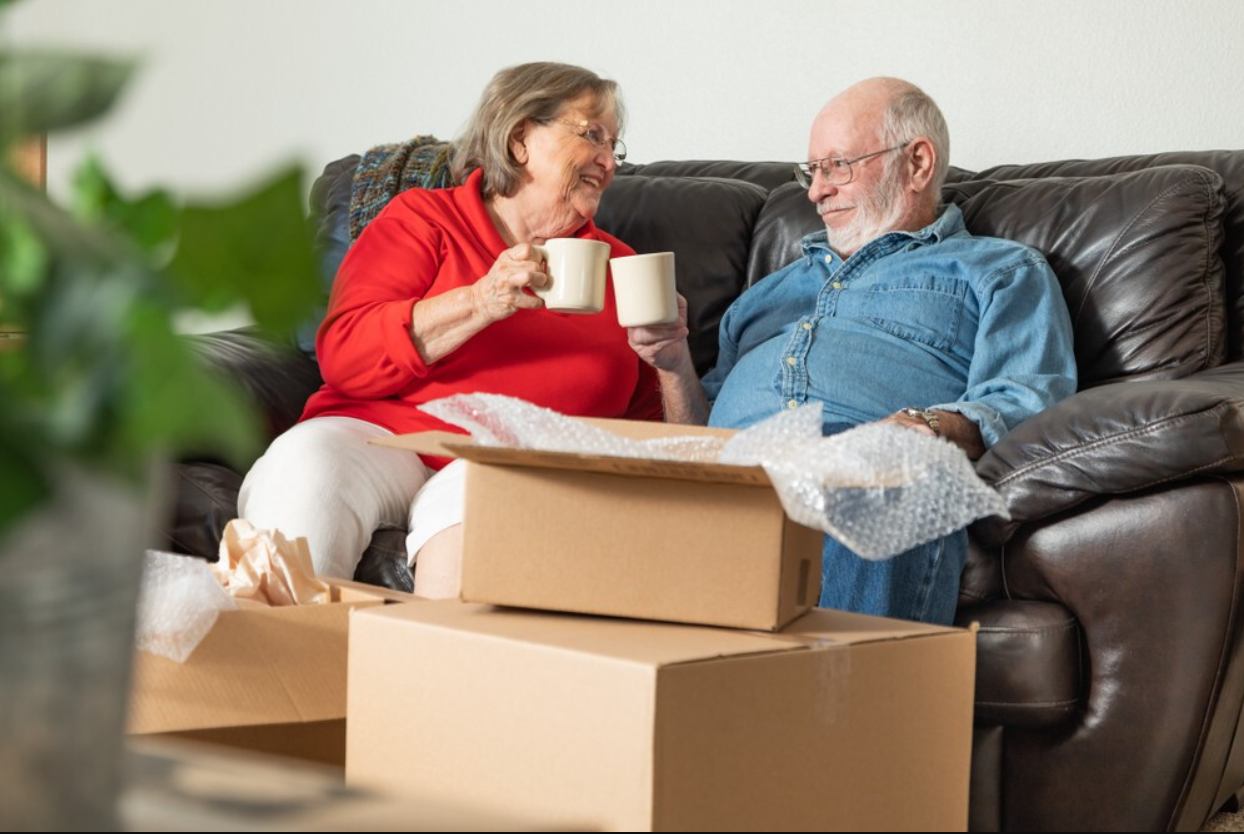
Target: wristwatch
[[930, 418]]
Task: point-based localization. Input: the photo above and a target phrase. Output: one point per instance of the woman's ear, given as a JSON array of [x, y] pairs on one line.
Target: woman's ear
[[518, 144]]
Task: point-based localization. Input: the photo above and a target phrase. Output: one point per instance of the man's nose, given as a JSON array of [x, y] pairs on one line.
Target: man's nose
[[820, 190]]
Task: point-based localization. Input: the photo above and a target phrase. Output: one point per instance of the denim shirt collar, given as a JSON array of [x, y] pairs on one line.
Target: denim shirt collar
[[948, 223]]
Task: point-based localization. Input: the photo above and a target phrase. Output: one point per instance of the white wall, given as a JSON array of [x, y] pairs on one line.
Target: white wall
[[229, 87]]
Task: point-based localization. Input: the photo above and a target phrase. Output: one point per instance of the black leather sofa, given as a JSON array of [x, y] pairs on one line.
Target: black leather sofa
[[1110, 670]]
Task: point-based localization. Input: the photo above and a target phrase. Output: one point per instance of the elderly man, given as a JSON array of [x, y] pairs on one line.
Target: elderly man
[[894, 312]]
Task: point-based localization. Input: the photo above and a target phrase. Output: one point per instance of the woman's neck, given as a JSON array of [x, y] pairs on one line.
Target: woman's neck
[[508, 219], [517, 222]]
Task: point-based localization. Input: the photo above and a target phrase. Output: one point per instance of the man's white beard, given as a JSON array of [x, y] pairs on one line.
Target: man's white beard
[[875, 214]]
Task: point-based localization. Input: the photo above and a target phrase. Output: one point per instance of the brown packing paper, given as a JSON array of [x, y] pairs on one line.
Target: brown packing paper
[[264, 566]]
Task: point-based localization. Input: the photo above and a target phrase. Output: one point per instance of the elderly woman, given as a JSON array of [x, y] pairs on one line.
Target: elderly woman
[[435, 299]]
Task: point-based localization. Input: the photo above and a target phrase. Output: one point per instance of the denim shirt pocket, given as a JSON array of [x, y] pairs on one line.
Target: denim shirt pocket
[[920, 308]]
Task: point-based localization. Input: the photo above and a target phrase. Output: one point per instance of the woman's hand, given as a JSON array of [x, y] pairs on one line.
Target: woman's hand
[[663, 346], [503, 291]]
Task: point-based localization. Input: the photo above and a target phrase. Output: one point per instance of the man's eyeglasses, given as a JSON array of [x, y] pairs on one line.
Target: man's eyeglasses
[[596, 135], [834, 169]]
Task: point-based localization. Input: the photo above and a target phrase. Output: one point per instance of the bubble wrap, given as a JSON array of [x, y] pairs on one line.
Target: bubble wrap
[[178, 605], [497, 420], [879, 489]]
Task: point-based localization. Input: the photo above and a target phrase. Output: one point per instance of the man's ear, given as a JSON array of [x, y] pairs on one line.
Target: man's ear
[[922, 161], [518, 144]]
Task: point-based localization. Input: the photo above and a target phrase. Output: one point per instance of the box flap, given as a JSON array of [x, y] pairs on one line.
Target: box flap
[[256, 666], [827, 624], [348, 590], [637, 641]]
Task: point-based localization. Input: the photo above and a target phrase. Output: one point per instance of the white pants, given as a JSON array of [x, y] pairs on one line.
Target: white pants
[[322, 479]]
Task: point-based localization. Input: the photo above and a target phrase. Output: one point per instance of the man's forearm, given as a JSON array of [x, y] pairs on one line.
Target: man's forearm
[[962, 432], [682, 395]]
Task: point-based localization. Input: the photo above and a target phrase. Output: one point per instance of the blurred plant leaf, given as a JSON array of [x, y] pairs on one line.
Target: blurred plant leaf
[[23, 260], [100, 378], [172, 402], [257, 248], [62, 237], [150, 221], [48, 89]]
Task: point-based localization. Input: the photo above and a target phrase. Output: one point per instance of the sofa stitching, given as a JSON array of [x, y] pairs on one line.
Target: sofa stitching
[[1110, 252], [1205, 269], [1067, 626], [1188, 472], [1126, 434]]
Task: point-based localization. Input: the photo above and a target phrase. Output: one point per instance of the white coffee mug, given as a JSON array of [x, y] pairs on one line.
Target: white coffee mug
[[643, 286], [576, 270]]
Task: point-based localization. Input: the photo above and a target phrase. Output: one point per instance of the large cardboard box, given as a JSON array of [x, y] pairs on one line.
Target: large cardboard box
[[840, 721], [271, 679], [686, 542]]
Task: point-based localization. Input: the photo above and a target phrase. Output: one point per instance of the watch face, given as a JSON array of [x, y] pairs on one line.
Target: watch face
[[930, 419]]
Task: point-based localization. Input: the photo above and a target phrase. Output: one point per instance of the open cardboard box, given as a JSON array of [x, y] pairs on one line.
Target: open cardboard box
[[271, 679], [686, 542], [838, 722]]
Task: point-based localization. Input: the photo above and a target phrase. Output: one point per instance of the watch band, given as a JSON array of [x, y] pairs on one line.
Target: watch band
[[930, 418]]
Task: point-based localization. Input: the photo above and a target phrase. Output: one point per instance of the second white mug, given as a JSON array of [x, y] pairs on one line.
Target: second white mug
[[643, 286]]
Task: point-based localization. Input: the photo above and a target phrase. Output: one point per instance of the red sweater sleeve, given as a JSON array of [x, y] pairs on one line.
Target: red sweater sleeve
[[364, 345], [646, 401]]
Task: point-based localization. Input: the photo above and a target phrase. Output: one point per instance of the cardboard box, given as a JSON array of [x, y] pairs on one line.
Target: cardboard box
[[685, 542], [840, 721], [271, 679]]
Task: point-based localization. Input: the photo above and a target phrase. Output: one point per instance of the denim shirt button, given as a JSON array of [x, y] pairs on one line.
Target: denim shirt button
[[792, 404], [790, 360], [807, 325]]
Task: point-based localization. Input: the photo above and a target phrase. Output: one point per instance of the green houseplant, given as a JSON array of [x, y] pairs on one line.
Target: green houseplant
[[93, 399]]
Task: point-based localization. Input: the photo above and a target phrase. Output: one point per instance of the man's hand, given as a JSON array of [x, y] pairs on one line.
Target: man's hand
[[663, 346], [952, 426]]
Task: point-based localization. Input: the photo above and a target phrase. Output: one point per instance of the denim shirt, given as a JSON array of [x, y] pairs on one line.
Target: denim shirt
[[935, 318]]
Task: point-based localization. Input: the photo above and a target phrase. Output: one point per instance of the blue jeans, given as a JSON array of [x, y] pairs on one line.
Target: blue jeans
[[919, 584]]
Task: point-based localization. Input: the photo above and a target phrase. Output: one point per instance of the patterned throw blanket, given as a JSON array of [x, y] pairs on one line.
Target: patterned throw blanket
[[387, 170]]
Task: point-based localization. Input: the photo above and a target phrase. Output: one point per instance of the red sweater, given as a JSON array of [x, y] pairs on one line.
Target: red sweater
[[428, 242]]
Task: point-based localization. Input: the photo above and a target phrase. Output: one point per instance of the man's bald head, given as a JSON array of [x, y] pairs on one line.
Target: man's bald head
[[895, 146]]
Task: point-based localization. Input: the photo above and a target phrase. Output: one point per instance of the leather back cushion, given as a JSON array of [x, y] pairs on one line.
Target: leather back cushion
[[707, 223], [1229, 164], [786, 217], [768, 175], [1137, 255]]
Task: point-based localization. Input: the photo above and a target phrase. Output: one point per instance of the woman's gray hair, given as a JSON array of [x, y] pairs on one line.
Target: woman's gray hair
[[912, 113], [535, 91]]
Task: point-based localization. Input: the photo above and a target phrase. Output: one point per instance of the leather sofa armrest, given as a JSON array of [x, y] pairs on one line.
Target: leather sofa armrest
[[1116, 439], [278, 379]]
